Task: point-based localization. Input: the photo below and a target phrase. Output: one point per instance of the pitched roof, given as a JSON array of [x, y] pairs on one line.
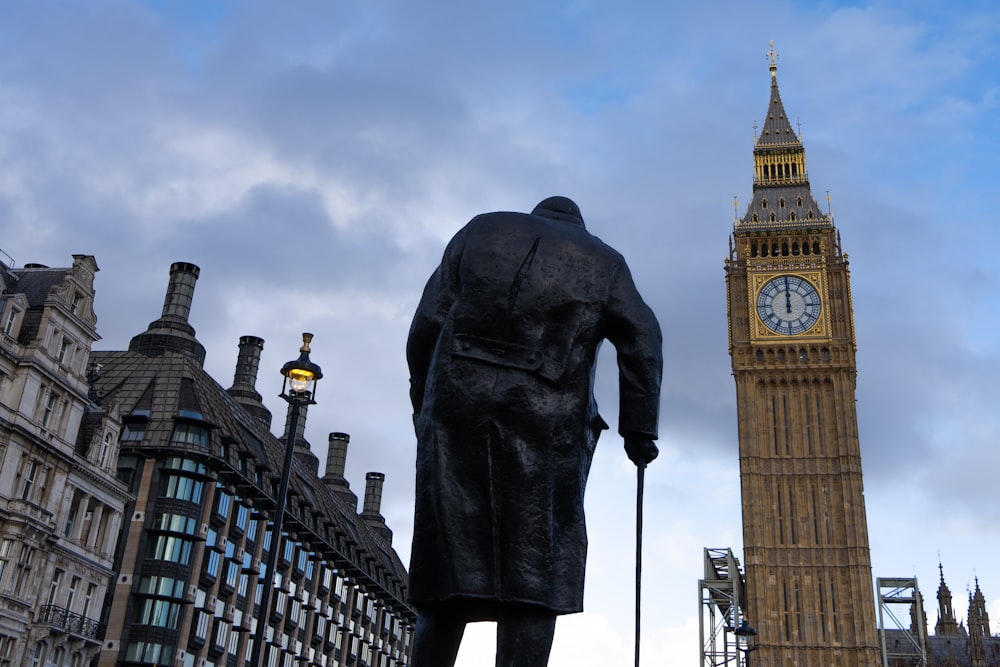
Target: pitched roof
[[162, 389]]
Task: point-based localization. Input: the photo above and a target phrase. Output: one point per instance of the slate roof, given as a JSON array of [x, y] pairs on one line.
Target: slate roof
[[35, 283], [163, 388]]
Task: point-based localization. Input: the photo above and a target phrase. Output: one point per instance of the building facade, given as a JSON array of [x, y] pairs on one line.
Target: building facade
[[61, 505], [791, 333], [203, 466], [954, 643]]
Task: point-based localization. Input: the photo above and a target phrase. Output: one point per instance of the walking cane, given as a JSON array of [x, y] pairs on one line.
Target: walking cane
[[641, 467]]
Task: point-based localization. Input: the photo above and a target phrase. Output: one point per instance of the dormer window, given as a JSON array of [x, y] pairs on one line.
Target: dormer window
[[763, 203], [186, 433], [77, 300]]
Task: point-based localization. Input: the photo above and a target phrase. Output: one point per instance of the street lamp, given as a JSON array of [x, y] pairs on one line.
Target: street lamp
[[298, 389], [746, 634]]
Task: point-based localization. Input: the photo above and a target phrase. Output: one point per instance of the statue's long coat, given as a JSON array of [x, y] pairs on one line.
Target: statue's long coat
[[501, 353]]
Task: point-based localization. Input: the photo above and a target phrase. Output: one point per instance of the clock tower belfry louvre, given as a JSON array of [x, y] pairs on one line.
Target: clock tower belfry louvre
[[809, 589]]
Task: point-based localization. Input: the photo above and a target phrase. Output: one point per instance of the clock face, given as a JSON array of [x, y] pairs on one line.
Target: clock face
[[788, 305]]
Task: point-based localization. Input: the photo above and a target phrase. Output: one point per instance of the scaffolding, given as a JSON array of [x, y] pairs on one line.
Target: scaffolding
[[902, 644], [721, 596]]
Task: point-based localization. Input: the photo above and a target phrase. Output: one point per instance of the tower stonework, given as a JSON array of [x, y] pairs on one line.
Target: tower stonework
[[792, 343]]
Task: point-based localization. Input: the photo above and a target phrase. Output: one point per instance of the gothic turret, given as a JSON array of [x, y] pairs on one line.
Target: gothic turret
[[946, 623]]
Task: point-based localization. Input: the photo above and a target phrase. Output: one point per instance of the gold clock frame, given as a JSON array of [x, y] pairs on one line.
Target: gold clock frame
[[761, 333]]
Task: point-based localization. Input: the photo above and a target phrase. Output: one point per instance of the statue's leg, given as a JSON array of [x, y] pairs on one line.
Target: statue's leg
[[436, 639], [524, 638]]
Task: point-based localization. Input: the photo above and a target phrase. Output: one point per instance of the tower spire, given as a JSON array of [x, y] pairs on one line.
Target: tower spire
[[782, 198]]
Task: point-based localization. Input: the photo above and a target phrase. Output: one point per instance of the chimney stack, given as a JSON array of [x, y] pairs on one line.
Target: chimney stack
[[172, 332], [336, 463], [180, 291], [372, 512], [302, 452], [244, 388]]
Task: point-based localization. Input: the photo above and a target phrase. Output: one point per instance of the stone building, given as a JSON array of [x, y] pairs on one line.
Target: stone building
[[61, 505], [954, 643], [203, 468]]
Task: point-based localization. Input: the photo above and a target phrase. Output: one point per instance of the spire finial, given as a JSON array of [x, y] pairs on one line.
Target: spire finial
[[773, 55]]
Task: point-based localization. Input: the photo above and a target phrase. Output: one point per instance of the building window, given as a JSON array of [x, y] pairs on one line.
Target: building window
[[181, 488], [54, 586], [171, 548], [177, 523], [190, 434], [88, 599], [102, 456], [8, 326], [158, 613], [50, 408], [37, 654], [29, 478], [6, 649], [149, 653], [22, 572], [71, 593], [5, 548], [64, 351], [162, 587], [223, 502], [135, 430]]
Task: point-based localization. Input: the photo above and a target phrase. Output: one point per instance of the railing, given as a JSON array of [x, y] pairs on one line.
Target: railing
[[64, 619]]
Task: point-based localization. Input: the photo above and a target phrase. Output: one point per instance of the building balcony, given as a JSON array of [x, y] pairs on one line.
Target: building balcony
[[62, 620], [31, 513]]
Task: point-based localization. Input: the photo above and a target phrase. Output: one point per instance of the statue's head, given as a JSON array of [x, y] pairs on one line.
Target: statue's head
[[560, 208]]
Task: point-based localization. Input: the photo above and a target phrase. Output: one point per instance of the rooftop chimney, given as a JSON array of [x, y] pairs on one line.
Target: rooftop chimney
[[302, 452], [372, 512], [172, 332], [244, 388], [336, 462]]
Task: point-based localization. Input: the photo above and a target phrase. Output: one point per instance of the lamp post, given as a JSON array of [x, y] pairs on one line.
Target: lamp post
[[298, 389], [745, 633]]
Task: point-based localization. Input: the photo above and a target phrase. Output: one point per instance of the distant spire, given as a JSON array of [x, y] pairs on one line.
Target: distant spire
[[979, 627], [946, 624]]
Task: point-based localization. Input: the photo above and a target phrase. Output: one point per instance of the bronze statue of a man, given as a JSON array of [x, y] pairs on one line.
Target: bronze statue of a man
[[502, 354]]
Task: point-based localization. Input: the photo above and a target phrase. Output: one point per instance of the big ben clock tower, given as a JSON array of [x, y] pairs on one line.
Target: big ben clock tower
[[791, 338]]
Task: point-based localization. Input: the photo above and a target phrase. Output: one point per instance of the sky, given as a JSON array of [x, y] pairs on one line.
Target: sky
[[313, 158]]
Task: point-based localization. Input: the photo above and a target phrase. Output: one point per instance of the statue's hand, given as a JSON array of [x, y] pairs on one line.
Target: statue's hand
[[641, 449]]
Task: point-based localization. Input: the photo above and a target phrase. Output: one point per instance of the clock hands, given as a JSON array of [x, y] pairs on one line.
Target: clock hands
[[788, 297]]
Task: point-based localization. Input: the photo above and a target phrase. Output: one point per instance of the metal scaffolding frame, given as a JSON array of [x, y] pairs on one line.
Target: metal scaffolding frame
[[721, 596], [908, 641]]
